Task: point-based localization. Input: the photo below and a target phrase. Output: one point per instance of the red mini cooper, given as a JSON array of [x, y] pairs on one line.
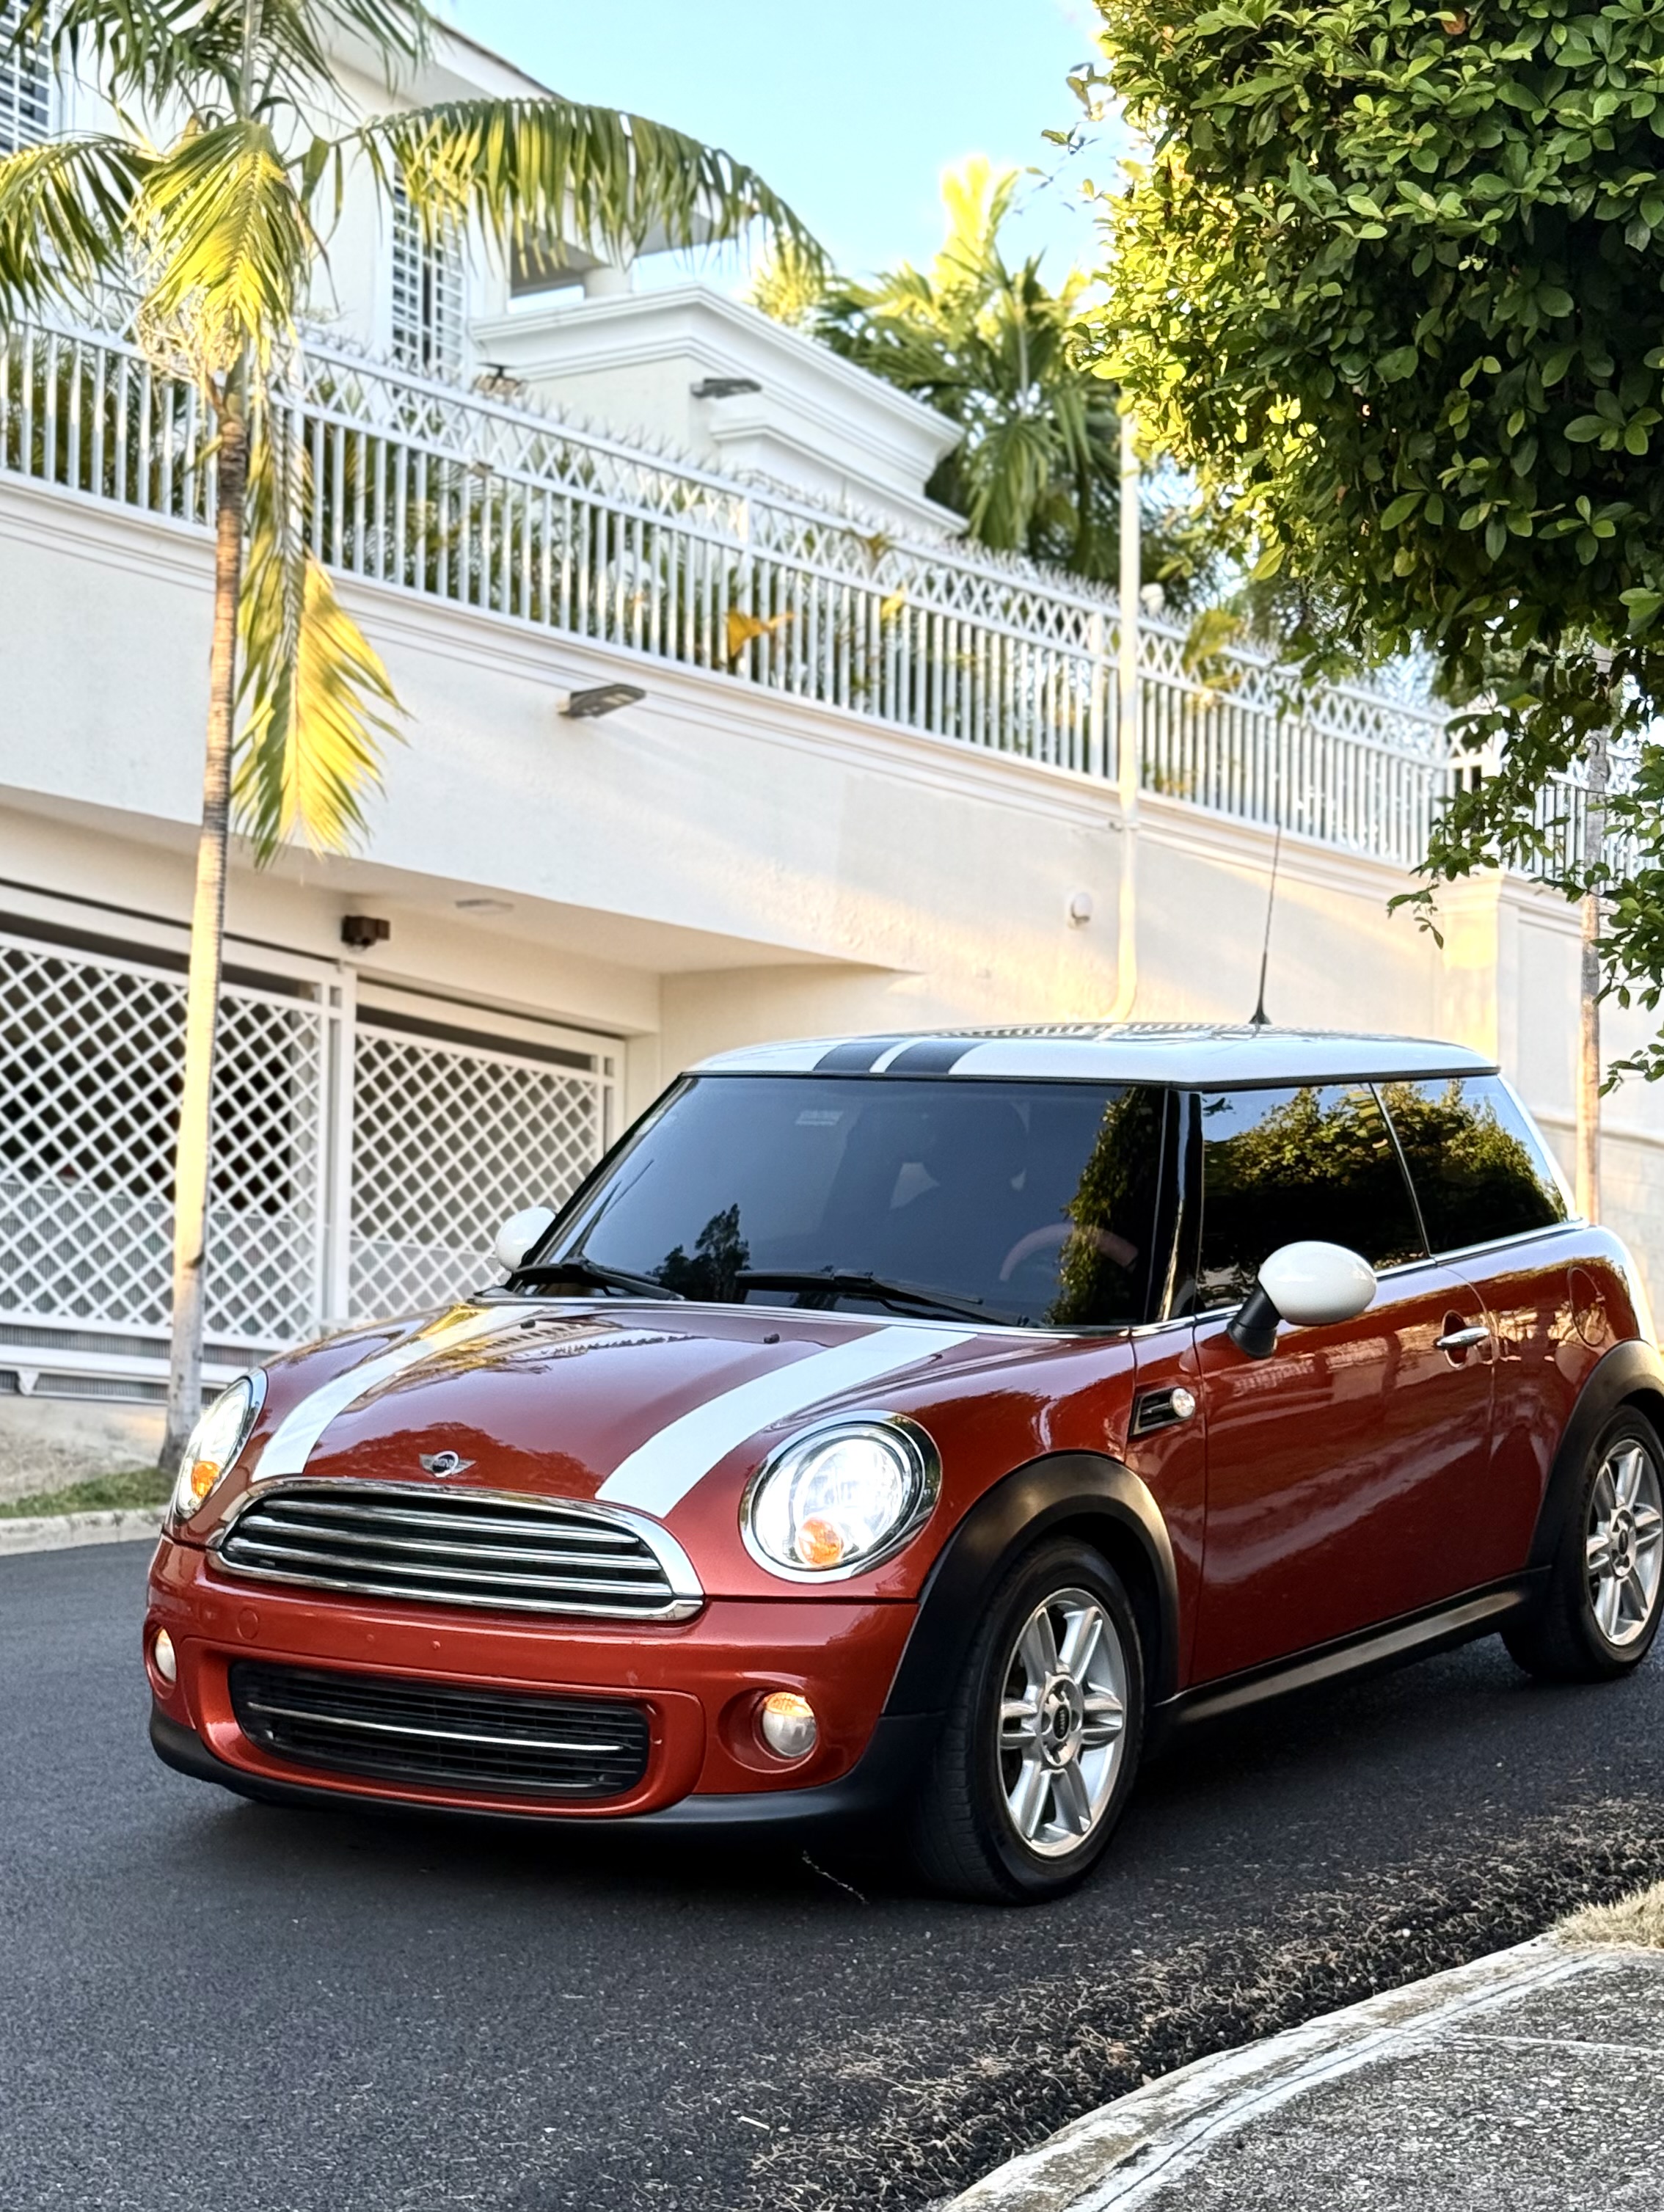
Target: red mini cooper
[[906, 1430]]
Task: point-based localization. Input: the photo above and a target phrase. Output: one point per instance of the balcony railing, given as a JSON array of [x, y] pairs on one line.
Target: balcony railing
[[417, 486]]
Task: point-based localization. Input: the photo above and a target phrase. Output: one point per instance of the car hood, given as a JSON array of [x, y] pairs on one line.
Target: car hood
[[630, 1406]]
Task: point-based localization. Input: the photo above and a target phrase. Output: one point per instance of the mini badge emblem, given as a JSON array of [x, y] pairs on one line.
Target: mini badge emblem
[[444, 1462]]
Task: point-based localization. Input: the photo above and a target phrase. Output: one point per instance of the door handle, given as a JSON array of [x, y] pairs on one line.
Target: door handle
[[1463, 1339]]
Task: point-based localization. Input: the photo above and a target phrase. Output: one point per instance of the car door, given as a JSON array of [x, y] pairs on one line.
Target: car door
[[1494, 1206], [1346, 1474]]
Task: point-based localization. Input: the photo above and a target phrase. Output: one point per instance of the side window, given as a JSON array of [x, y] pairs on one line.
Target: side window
[[1479, 1167], [1281, 1165]]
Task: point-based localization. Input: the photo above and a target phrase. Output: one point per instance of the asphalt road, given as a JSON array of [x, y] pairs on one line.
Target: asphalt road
[[207, 2006]]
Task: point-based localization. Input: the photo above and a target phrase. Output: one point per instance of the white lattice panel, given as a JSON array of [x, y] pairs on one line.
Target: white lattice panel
[[90, 1063], [448, 1141]]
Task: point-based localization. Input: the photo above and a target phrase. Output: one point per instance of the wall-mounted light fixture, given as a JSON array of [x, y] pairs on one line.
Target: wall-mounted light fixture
[[1081, 908], [723, 387], [601, 699], [359, 932], [496, 381]]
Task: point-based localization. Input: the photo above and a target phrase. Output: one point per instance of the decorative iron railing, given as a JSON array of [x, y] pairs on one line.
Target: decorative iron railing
[[458, 497]]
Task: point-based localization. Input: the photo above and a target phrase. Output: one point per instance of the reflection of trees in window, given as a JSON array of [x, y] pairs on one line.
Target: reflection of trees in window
[[1319, 1163], [1104, 1265], [718, 1254], [1477, 1178]]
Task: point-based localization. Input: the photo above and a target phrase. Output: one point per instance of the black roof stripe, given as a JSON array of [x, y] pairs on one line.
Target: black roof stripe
[[854, 1057], [931, 1056]]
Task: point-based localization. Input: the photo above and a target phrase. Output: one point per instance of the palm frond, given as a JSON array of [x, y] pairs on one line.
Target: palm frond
[[64, 216], [231, 249], [537, 173], [995, 350], [317, 702], [152, 52]]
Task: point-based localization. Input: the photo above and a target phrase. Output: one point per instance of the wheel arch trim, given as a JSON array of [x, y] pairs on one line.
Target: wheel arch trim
[[1631, 1372], [1060, 1491]]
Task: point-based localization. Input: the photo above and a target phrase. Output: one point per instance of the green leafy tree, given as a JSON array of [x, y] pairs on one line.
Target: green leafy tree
[[1388, 282], [990, 346], [213, 198]]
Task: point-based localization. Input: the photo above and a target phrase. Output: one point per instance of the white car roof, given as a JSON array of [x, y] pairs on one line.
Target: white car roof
[[1206, 1055]]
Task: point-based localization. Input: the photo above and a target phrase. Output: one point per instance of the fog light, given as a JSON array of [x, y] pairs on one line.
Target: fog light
[[788, 1724], [164, 1658]]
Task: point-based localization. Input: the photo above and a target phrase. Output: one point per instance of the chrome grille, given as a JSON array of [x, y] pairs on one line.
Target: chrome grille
[[466, 1548], [505, 1743]]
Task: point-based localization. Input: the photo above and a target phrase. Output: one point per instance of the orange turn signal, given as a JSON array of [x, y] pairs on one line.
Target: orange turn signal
[[820, 1542]]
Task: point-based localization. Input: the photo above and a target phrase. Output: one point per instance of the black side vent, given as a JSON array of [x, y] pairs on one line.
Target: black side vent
[[1161, 1409]]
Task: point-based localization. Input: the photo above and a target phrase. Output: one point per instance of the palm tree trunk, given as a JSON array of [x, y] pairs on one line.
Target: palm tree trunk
[[1597, 758], [191, 1160]]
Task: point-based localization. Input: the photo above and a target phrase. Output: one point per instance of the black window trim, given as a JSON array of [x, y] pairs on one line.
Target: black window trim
[[1385, 1111], [1516, 1236]]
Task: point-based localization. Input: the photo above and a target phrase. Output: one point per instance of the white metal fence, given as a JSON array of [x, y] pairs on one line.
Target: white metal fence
[[360, 1166], [418, 486], [453, 1139]]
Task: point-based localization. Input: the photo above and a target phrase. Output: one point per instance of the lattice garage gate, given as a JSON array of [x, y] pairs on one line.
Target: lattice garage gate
[[364, 1153]]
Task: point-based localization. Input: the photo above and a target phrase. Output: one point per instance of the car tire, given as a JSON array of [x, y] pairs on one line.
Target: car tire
[[1601, 1613], [1040, 1744]]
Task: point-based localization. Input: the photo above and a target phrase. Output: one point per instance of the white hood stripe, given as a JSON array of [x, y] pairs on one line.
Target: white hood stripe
[[304, 1423], [660, 1472]]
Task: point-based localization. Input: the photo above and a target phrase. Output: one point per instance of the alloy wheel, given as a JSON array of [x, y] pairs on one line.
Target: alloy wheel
[[1062, 1723], [1626, 1542]]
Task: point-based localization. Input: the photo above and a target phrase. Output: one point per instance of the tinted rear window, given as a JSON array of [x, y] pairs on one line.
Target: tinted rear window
[[1479, 1166], [1281, 1165], [1037, 1201]]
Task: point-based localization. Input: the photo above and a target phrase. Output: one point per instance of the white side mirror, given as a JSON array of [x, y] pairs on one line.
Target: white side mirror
[[520, 1232], [1310, 1284]]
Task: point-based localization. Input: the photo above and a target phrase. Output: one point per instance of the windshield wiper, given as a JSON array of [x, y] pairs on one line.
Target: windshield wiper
[[839, 1282], [578, 1269]]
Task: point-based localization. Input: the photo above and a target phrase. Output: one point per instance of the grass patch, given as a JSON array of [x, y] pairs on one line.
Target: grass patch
[[138, 1485], [1637, 1920]]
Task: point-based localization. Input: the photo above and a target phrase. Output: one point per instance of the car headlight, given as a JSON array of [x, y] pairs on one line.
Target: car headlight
[[840, 1498], [215, 1443]]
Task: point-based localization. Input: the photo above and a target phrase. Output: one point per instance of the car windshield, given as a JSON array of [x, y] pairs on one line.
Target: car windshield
[[1027, 1203]]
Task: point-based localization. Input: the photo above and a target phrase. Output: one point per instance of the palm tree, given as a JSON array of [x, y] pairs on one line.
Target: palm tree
[[993, 348], [1038, 468], [212, 200]]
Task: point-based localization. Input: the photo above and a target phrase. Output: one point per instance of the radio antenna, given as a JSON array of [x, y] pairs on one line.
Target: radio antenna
[[1259, 1018]]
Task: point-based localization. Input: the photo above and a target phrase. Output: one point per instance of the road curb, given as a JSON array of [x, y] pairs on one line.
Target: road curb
[[58, 1532], [1117, 2155]]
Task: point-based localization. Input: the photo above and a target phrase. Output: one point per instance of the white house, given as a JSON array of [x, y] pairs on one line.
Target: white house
[[851, 775]]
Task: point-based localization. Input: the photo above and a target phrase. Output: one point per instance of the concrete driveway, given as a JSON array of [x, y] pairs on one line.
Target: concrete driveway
[[215, 2006]]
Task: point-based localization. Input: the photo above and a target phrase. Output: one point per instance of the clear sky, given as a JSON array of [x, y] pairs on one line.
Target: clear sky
[[850, 110]]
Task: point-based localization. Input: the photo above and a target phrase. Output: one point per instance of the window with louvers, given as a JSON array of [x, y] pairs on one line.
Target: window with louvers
[[426, 296], [25, 86]]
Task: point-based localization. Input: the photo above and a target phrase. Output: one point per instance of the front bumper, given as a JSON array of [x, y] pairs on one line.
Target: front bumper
[[698, 1683], [880, 1779]]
